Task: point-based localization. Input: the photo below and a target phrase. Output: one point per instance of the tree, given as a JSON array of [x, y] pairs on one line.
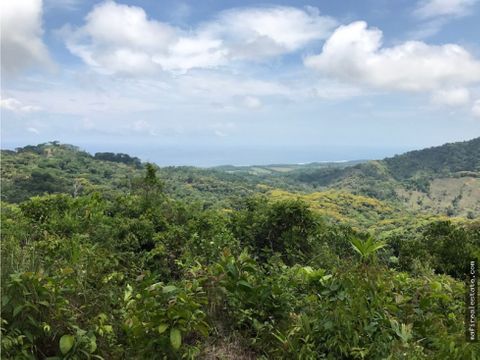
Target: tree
[[284, 227], [150, 186], [151, 175]]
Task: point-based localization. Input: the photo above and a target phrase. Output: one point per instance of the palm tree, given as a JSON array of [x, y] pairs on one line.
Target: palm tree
[[366, 249]]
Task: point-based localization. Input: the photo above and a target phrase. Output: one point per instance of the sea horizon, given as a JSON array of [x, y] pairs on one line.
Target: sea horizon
[[205, 156]]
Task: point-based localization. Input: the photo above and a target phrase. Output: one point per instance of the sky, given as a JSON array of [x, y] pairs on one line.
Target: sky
[[240, 82]]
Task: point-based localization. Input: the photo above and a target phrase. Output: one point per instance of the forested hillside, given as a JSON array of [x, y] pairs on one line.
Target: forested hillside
[[443, 180], [59, 168], [440, 180], [106, 257], [461, 158]]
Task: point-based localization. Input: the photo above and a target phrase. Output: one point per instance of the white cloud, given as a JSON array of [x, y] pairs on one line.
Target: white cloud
[[21, 36], [437, 13], [256, 33], [355, 54], [221, 87], [333, 90], [476, 108], [252, 102], [438, 8], [451, 97], [122, 39], [85, 102], [143, 127], [33, 130], [428, 28], [15, 105], [189, 53], [119, 38], [223, 129]]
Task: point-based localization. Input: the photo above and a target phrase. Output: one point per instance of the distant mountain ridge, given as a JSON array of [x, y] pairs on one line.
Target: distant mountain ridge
[[442, 179], [439, 180], [442, 160]]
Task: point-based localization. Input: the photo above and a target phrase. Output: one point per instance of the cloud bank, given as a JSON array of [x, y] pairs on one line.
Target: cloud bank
[[22, 46], [119, 38], [354, 53], [17, 106], [428, 9]]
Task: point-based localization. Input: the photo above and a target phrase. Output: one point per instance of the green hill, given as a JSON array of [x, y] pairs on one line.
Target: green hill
[[440, 180], [461, 158], [60, 168]]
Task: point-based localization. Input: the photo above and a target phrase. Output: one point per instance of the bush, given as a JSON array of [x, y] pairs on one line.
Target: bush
[[284, 227], [164, 320]]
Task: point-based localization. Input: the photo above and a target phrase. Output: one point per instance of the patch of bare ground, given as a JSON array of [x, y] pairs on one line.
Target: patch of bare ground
[[227, 349]]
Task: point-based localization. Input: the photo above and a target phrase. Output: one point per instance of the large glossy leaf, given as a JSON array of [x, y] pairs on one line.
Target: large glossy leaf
[[66, 343], [162, 328], [175, 338]]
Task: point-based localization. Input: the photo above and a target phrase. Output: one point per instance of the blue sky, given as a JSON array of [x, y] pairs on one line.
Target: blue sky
[[213, 82]]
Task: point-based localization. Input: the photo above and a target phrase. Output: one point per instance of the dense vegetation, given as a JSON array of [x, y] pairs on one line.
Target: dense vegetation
[[127, 261], [441, 160], [439, 180], [443, 180]]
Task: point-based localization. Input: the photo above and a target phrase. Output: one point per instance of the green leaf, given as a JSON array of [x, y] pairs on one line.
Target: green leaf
[[66, 343], [93, 345], [128, 293], [175, 338], [245, 285], [5, 300], [168, 289], [357, 246], [17, 310], [436, 286], [162, 328], [202, 327], [232, 270], [366, 248], [155, 286]]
